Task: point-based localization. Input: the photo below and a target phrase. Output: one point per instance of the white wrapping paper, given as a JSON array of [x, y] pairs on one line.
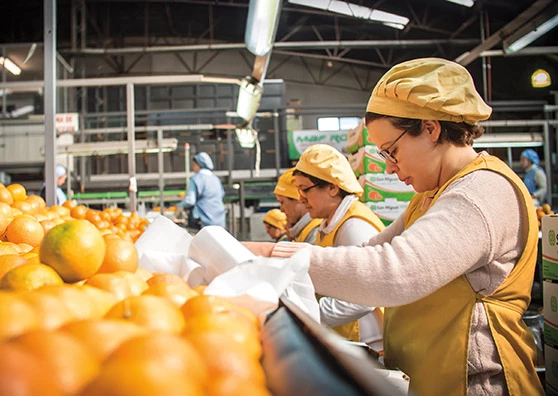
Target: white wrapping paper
[[215, 258]]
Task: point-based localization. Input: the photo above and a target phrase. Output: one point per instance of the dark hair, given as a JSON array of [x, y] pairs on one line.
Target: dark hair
[[458, 133], [319, 182]]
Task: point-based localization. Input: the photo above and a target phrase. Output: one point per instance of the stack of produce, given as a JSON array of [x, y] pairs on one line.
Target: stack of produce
[[78, 317], [384, 194]]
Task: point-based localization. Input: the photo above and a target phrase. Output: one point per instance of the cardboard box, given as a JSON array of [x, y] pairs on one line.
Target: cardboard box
[[381, 186], [357, 138], [388, 210], [550, 306], [551, 369], [366, 160], [550, 247]]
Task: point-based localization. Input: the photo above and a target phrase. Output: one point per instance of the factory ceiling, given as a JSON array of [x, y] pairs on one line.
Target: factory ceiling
[[121, 32]]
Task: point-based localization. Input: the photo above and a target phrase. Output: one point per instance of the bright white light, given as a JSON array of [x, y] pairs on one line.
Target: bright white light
[[382, 16], [357, 11], [540, 79], [10, 66], [533, 35], [246, 137], [466, 3]]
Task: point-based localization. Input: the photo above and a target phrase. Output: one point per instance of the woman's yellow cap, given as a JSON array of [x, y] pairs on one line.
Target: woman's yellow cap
[[286, 185], [328, 164], [429, 89], [276, 218]]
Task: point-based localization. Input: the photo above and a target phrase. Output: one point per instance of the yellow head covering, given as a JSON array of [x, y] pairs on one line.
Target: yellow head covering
[[276, 218], [286, 185], [328, 164], [429, 89]]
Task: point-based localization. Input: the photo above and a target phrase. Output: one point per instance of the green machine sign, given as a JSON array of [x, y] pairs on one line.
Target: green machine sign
[[301, 140]]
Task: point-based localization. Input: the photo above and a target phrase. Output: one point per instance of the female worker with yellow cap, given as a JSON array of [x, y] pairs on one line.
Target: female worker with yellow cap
[[275, 223], [329, 190], [455, 270], [302, 228]]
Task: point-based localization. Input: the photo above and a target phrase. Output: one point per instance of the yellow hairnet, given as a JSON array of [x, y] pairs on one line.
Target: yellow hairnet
[[328, 164], [429, 89], [286, 185], [276, 218]]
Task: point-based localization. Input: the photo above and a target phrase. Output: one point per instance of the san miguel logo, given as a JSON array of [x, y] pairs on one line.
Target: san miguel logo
[[552, 237]]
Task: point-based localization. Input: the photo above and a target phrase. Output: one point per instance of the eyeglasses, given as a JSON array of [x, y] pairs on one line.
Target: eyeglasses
[[385, 154], [304, 191]]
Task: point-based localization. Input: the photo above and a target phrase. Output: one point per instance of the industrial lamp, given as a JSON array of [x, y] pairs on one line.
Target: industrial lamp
[[540, 79], [246, 135], [261, 25], [10, 66]]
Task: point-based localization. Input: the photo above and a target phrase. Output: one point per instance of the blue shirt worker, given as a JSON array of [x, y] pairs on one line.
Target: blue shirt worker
[[205, 195], [61, 176], [535, 178]]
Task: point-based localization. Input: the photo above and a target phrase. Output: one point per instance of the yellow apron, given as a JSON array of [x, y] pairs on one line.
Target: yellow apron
[[359, 210], [314, 223], [428, 339]]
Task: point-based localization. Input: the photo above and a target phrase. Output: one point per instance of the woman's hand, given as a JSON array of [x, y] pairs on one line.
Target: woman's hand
[[260, 248]]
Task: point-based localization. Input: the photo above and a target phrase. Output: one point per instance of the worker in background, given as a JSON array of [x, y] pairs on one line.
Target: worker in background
[[454, 270], [535, 178], [275, 223], [301, 227], [329, 190], [61, 176], [204, 197]]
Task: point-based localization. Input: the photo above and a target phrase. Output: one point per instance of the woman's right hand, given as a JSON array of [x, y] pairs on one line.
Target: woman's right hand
[[260, 248]]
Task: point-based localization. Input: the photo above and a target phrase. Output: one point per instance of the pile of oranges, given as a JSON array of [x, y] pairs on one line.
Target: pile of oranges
[[79, 317]]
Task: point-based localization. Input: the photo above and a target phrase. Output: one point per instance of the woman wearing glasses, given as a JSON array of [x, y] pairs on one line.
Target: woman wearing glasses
[[329, 190], [455, 270]]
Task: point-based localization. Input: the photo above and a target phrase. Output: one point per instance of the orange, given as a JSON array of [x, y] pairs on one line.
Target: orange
[[23, 374], [72, 364], [70, 203], [118, 286], [171, 352], [25, 229], [205, 304], [6, 216], [51, 313], [78, 212], [47, 225], [24, 247], [143, 273], [18, 192], [140, 379], [152, 312], [30, 276], [10, 261], [168, 279], [120, 255], [229, 385], [237, 332], [78, 302], [94, 216], [103, 336], [136, 283], [177, 294], [60, 210], [16, 316], [9, 248], [225, 359], [24, 206], [6, 196], [200, 288], [103, 300], [75, 249]]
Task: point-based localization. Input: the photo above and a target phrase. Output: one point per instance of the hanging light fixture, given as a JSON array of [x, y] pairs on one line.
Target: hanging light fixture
[[10, 66], [540, 79]]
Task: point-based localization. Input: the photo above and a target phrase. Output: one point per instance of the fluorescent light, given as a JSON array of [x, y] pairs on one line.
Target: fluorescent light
[[356, 11], [466, 3], [10, 66], [261, 26], [533, 35]]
